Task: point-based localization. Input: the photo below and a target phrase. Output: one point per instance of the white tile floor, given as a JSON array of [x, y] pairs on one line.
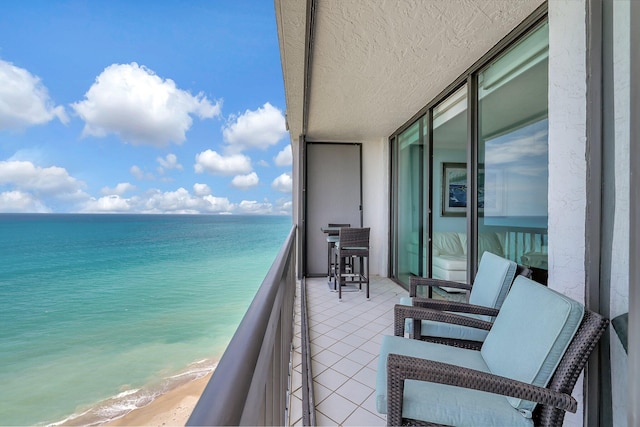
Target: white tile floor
[[345, 343]]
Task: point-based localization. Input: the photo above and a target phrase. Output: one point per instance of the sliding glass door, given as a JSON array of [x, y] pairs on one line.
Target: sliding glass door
[[412, 167], [450, 188], [513, 168], [505, 102]]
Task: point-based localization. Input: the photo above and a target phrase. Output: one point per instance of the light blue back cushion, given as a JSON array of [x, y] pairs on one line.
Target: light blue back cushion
[[446, 330], [439, 403], [492, 282], [530, 335]]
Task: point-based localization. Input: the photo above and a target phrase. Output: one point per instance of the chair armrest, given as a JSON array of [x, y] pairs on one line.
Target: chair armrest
[[416, 281], [402, 312], [401, 368], [522, 270], [460, 307]]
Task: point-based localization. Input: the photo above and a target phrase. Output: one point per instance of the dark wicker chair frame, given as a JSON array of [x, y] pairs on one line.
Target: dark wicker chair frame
[[353, 243], [423, 308], [553, 400]]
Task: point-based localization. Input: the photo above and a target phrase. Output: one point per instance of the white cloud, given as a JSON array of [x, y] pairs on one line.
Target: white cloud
[[24, 100], [107, 204], [50, 181], [254, 207], [182, 202], [140, 107], [33, 188], [168, 163], [140, 174], [283, 206], [201, 189], [244, 182], [118, 190], [179, 201], [284, 157], [155, 201], [20, 202], [216, 164], [218, 204], [136, 171], [255, 129], [283, 183]]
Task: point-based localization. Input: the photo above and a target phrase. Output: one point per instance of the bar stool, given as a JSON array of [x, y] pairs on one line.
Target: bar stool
[[332, 239], [353, 243]]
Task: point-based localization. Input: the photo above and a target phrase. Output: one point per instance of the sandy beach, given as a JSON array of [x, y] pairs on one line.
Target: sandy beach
[[171, 409]]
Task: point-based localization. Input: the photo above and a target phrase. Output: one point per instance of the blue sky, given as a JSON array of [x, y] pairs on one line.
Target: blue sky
[[142, 107]]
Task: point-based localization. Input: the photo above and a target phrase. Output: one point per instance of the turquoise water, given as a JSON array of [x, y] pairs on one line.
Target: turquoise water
[[101, 313]]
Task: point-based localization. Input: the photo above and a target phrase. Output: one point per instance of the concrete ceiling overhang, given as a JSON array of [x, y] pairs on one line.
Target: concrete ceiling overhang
[[375, 64]]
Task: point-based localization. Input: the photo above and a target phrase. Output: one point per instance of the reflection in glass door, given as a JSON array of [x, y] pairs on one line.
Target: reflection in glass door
[[449, 238], [412, 171], [432, 203], [513, 154]]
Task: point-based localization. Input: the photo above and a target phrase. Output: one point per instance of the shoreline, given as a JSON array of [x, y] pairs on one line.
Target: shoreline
[[166, 403], [172, 408]]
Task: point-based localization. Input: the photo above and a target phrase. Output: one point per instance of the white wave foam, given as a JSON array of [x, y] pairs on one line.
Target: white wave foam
[[121, 404], [126, 393]]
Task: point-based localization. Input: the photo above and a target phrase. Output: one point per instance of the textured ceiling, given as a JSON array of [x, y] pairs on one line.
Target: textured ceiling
[[377, 63]]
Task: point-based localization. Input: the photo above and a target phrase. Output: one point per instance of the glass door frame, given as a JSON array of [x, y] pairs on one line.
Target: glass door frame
[[424, 196]]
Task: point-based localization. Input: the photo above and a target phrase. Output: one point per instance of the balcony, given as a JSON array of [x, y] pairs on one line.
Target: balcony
[[265, 377], [344, 345]]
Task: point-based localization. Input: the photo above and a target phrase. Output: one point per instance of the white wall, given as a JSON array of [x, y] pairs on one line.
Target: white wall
[[567, 156], [375, 199]]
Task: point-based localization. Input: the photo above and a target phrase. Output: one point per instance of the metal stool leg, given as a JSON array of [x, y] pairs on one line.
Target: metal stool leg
[[367, 277], [329, 260], [338, 277]]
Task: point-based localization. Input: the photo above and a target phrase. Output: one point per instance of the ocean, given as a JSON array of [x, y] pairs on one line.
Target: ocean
[[100, 314]]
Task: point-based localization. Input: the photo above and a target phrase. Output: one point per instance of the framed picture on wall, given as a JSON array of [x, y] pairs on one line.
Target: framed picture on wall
[[454, 189]]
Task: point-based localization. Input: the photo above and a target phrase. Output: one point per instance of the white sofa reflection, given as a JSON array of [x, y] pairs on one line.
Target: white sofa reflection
[[527, 247], [449, 260]]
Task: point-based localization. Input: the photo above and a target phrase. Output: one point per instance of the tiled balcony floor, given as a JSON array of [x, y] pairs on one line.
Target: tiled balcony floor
[[345, 342]]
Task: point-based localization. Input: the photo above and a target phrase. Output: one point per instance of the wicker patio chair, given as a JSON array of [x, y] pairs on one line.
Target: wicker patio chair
[[353, 243], [523, 375], [492, 282]]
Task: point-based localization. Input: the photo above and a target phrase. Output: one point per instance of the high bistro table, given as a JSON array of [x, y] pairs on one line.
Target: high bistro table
[[332, 238]]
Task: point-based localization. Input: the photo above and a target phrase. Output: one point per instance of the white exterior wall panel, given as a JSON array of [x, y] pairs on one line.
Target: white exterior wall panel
[[567, 157], [375, 195]]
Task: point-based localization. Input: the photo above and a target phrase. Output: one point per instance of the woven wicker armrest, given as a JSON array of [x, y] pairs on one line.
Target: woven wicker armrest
[[402, 312], [416, 281], [401, 368], [459, 307]]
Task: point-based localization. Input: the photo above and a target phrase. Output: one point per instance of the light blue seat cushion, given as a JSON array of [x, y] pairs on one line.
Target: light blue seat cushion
[[492, 282], [441, 403], [530, 335], [446, 330]]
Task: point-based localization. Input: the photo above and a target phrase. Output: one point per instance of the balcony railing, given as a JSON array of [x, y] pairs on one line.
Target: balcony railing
[[249, 385]]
